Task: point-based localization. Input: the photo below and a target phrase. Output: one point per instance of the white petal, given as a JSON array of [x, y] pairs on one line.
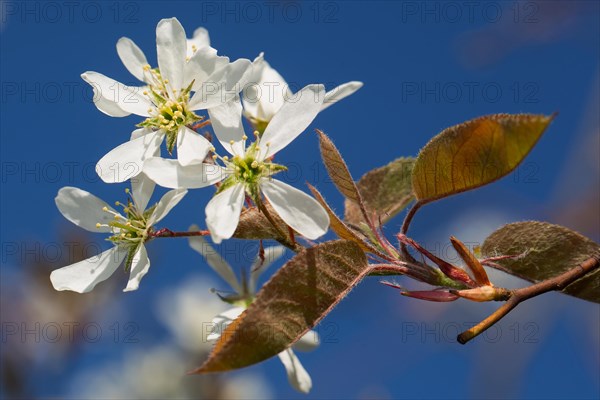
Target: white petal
[[108, 107], [223, 212], [221, 321], [221, 87], [308, 342], [226, 121], [259, 266], [199, 40], [300, 211], [297, 375], [139, 267], [138, 133], [202, 65], [171, 174], [83, 209], [129, 98], [166, 204], [292, 119], [215, 261], [253, 91], [142, 188], [126, 160], [340, 92], [171, 48], [191, 146], [83, 276], [265, 92], [132, 56]]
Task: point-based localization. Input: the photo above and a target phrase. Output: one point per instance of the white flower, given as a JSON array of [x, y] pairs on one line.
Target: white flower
[[187, 311], [269, 91], [129, 231], [152, 371], [249, 171], [199, 40], [298, 378], [184, 67]]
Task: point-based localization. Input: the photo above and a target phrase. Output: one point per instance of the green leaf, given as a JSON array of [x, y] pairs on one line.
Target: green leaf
[[337, 168], [546, 251], [293, 301], [475, 153], [386, 191]]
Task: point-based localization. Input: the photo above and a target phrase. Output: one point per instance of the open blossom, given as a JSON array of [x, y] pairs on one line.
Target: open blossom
[[129, 231], [245, 292], [190, 77], [249, 171], [268, 91]]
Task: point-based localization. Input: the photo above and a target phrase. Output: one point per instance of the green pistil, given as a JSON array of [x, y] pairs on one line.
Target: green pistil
[[249, 171], [259, 125], [130, 230], [169, 115]]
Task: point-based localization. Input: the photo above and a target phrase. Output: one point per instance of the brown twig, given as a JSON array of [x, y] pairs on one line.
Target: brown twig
[[165, 232], [519, 295]]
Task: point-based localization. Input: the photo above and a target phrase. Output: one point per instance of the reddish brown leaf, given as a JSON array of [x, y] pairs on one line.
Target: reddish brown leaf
[[471, 261], [293, 301]]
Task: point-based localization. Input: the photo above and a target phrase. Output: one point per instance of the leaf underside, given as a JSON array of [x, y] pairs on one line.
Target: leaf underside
[[294, 300], [337, 168], [339, 227], [254, 225], [547, 250], [385, 191]]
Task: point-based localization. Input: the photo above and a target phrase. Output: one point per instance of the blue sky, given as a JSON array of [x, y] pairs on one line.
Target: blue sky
[[425, 66]]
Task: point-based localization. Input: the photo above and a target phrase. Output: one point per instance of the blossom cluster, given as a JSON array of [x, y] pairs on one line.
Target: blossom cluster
[[193, 88]]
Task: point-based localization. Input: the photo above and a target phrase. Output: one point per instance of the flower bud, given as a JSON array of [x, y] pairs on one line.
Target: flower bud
[[438, 295], [483, 293]]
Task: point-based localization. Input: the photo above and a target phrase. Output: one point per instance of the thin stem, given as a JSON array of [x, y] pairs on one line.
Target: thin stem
[[409, 216], [165, 232], [377, 236], [267, 214], [284, 239], [388, 269], [517, 296], [407, 220], [387, 246], [201, 124]]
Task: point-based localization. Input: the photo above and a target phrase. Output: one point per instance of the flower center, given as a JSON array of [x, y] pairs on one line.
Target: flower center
[[248, 168], [171, 110], [130, 229]]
